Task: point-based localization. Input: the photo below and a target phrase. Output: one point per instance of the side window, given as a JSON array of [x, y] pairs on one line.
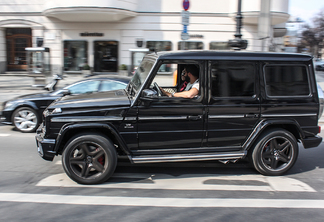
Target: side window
[[84, 87], [232, 79], [165, 75], [286, 80], [173, 78], [111, 85]]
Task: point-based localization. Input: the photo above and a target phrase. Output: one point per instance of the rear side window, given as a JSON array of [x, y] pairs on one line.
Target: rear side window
[[112, 85], [232, 79], [286, 80]]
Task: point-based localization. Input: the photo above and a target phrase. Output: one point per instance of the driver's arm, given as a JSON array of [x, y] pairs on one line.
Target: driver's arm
[[186, 94]]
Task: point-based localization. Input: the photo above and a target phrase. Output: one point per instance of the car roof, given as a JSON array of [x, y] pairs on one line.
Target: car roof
[[230, 55]]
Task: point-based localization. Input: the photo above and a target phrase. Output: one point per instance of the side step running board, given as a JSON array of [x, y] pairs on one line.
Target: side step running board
[[186, 157]]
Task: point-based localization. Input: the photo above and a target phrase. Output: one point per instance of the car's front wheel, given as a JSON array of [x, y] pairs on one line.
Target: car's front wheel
[[275, 152], [89, 159], [25, 119]]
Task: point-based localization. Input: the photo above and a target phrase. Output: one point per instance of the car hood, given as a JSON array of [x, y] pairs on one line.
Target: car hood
[[116, 98], [32, 96]]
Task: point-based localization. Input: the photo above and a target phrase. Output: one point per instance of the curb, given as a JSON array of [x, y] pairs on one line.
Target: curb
[[17, 74]]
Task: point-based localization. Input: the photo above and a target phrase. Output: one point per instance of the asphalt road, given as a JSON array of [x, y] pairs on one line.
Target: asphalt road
[[33, 189]]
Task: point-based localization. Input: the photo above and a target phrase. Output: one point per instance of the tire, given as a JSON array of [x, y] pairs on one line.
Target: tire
[[275, 152], [89, 159], [25, 119]]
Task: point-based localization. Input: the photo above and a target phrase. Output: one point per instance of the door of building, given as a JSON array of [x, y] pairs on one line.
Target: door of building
[[17, 39], [105, 56]]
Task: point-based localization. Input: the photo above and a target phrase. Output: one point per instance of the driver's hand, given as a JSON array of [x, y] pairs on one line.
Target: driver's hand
[[165, 92]]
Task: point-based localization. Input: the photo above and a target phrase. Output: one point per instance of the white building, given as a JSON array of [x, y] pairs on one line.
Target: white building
[[102, 32]]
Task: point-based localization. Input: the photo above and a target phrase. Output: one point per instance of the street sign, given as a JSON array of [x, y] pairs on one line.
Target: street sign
[[185, 14], [185, 29], [185, 17], [186, 4], [185, 36]]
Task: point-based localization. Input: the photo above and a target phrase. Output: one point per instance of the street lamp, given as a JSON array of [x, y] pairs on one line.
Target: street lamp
[[238, 43]]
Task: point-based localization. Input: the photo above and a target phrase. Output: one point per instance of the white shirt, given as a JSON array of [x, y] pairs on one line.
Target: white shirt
[[193, 85]]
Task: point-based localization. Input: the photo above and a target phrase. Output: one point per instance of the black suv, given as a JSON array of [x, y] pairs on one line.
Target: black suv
[[257, 106]]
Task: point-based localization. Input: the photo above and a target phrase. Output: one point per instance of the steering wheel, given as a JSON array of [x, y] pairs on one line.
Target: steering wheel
[[157, 88]]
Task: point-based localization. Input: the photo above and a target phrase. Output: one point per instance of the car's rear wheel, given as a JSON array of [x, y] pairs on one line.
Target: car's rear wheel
[[89, 159], [275, 152], [25, 119]]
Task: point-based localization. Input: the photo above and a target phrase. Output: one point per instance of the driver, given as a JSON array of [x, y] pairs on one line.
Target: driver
[[191, 75]]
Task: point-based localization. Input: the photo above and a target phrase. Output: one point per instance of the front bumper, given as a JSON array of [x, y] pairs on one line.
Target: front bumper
[[5, 117], [45, 147]]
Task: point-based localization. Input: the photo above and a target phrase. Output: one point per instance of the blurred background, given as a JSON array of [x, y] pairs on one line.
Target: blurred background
[[112, 36]]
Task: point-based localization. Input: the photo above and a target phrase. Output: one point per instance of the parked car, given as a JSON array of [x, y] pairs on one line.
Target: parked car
[[254, 106], [319, 64], [25, 112]]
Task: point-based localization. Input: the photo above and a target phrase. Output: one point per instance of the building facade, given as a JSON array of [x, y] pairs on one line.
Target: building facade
[[103, 33]]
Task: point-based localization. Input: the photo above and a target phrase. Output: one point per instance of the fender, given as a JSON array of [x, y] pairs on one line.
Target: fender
[[264, 124], [24, 104], [67, 127]]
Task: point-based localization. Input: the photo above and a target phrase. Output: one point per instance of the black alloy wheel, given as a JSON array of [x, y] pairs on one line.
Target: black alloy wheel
[[25, 119], [89, 159], [275, 152]]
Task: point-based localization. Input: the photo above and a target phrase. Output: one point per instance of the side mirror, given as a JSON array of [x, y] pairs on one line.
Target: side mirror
[[65, 92], [148, 96], [149, 93]]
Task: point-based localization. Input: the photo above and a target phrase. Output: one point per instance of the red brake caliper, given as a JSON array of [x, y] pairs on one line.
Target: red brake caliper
[[101, 160]]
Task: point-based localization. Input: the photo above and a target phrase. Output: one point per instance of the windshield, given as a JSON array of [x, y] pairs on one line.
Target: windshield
[[139, 77]]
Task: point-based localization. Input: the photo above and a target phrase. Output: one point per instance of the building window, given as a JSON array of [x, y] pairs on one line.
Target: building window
[[17, 39], [105, 56], [190, 45], [286, 80], [75, 55], [219, 46], [159, 46], [232, 79]]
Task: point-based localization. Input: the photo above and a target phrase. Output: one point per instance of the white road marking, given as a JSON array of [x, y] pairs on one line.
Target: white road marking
[[161, 202], [3, 134], [188, 182]]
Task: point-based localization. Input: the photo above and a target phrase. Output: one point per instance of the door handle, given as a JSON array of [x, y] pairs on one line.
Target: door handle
[[251, 115], [194, 117]]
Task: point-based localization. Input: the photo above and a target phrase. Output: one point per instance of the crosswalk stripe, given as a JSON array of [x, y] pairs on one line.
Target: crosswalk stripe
[[188, 182], [3, 134], [161, 202]]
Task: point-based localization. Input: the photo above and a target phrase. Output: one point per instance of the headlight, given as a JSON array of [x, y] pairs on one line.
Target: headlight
[[48, 112], [57, 110], [8, 104]]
